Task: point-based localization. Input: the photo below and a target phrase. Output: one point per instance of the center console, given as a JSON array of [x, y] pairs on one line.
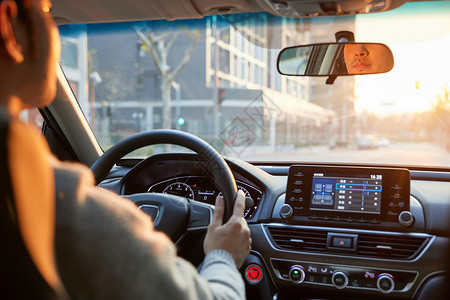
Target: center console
[[349, 229]]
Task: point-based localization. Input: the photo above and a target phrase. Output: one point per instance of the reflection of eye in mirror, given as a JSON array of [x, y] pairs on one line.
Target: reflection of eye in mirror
[[335, 59]]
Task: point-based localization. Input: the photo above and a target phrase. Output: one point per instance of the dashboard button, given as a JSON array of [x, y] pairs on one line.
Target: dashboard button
[[385, 283], [342, 242], [312, 269], [311, 278], [253, 274], [286, 211], [339, 280], [369, 284], [296, 199], [324, 270], [355, 283], [296, 274], [406, 218], [324, 279]]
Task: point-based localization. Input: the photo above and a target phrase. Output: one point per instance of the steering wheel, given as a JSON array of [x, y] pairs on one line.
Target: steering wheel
[[170, 213]]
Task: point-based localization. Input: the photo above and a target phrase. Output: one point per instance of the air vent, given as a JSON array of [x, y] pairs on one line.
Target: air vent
[[389, 246], [385, 246], [299, 239]]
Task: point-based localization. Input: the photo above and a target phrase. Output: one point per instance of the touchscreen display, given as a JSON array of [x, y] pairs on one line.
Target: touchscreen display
[[346, 194]]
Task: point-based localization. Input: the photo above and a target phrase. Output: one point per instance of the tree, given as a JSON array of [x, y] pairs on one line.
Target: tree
[[158, 46]]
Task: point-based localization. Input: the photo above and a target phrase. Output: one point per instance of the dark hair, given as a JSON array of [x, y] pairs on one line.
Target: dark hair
[[22, 7], [24, 14]]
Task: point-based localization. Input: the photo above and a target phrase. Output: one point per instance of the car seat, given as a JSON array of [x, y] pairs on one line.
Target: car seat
[[27, 215]]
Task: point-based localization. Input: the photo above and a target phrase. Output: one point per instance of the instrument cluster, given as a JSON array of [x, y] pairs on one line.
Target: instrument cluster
[[202, 189]]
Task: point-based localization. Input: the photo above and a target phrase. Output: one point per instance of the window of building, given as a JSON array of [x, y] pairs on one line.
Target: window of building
[[224, 60]]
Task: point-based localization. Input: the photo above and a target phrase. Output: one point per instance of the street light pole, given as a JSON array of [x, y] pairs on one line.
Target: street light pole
[[216, 80]]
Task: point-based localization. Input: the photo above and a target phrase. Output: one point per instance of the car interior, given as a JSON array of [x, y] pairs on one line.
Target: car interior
[[320, 228]]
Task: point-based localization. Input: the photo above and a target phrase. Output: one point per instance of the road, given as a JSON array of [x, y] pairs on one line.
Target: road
[[402, 154]]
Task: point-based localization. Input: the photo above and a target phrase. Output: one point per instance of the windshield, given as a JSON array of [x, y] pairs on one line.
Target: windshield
[[217, 78]]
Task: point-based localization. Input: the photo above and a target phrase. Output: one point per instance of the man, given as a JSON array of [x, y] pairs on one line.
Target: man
[[106, 249], [368, 58]]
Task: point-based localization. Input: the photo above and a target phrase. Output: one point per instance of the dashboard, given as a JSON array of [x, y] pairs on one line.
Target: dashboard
[[333, 232]]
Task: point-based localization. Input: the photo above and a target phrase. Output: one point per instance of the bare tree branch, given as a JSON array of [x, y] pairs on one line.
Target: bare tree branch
[[171, 41], [187, 56], [150, 42]]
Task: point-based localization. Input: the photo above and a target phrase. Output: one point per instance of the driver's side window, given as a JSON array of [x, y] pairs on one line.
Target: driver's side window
[[33, 118]]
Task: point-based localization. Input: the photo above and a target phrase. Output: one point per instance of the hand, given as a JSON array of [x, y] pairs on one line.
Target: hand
[[233, 236]]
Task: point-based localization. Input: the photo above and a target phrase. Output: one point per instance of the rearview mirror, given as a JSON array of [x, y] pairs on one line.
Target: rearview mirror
[[335, 59]]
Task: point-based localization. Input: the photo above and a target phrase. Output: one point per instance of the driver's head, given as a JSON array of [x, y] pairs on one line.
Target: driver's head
[[367, 58], [29, 54]]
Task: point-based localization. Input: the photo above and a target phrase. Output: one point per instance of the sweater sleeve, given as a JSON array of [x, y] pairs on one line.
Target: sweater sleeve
[[106, 249]]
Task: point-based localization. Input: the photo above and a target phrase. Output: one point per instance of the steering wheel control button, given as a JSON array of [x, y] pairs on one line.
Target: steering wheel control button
[[339, 280], [253, 274], [385, 283], [297, 274], [286, 211], [406, 218]]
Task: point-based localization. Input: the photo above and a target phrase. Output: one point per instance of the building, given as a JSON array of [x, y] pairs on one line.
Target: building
[[235, 58]]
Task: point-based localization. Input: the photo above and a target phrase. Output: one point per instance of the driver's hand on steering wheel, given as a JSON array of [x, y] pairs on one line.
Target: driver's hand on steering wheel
[[234, 235]]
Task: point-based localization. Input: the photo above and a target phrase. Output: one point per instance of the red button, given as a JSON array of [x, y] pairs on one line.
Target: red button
[[253, 274]]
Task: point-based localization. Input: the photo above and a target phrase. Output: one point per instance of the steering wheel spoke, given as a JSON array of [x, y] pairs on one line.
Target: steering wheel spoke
[[170, 212], [200, 215]]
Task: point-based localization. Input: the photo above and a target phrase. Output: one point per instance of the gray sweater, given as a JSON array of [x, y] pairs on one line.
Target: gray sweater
[[106, 249]]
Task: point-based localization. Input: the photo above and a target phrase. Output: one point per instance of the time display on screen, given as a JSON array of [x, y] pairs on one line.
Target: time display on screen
[[346, 194]]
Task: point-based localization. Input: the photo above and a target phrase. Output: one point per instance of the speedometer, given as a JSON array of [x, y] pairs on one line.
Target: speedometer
[[179, 189], [247, 194]]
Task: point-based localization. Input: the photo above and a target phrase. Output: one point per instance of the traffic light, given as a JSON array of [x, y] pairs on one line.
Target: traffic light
[[221, 95], [180, 121]]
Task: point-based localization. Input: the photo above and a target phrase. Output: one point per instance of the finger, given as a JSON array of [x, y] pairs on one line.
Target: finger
[[218, 212], [239, 204]]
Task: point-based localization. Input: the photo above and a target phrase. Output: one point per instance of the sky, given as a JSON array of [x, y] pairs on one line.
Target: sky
[[421, 48]]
